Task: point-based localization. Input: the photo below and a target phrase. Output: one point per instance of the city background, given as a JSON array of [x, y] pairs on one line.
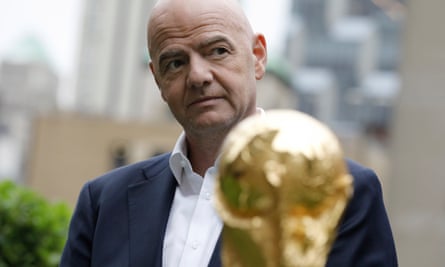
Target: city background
[[77, 98]]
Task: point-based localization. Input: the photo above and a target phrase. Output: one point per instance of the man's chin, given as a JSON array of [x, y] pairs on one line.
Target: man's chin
[[212, 123]]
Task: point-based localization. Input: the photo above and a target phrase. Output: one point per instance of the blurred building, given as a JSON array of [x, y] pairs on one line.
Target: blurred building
[[113, 75], [28, 88], [276, 89], [353, 41], [346, 56], [317, 92], [70, 149], [416, 189]]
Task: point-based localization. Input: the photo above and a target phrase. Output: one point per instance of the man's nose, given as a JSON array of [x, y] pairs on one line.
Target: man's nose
[[200, 74]]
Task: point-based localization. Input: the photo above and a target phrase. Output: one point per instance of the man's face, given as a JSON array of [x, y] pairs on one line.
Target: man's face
[[206, 65]]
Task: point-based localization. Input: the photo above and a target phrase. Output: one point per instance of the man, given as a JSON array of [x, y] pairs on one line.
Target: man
[[205, 60]]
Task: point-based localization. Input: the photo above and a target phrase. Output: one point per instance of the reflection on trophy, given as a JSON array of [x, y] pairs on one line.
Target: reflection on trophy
[[281, 191]]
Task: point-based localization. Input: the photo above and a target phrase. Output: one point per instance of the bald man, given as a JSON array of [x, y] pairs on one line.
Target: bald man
[[205, 60]]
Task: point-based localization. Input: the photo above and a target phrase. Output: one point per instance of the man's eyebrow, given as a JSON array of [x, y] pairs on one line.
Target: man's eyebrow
[[169, 54], [214, 40]]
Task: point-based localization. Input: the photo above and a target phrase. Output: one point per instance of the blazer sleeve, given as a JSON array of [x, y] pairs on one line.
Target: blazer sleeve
[[364, 237], [77, 251]]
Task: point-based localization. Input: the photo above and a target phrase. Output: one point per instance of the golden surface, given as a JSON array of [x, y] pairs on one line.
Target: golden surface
[[282, 188]]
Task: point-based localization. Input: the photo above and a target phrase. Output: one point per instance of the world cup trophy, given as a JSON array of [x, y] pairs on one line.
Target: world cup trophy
[[281, 191]]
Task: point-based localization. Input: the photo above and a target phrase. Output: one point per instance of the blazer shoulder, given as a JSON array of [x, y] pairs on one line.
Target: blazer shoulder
[[130, 174], [363, 177], [364, 236]]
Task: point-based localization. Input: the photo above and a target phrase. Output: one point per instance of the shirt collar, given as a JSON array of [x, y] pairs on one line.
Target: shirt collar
[[179, 162]]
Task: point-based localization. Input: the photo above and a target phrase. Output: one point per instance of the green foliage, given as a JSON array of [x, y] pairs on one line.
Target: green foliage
[[32, 230]]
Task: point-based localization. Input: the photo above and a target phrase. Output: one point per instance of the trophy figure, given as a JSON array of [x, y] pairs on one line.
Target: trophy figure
[[282, 188]]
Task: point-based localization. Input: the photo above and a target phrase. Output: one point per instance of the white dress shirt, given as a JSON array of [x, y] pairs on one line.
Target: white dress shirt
[[193, 226]]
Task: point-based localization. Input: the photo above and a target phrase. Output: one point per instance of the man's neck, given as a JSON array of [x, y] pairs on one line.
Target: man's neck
[[202, 152]]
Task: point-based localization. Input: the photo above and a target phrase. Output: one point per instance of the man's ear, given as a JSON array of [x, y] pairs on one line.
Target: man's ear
[[260, 53], [153, 71]]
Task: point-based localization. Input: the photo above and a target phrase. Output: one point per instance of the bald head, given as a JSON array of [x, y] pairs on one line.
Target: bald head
[[182, 11]]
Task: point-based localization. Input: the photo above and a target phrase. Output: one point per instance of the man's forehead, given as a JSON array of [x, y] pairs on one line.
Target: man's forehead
[[183, 9], [175, 17], [179, 21], [196, 2]]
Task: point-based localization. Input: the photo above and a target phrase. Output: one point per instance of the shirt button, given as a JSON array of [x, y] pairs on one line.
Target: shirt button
[[207, 195], [195, 244], [183, 163]]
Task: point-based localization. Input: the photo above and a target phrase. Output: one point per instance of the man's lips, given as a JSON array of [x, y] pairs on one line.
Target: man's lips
[[203, 100]]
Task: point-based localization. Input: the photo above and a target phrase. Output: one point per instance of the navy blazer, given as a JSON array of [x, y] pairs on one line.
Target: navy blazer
[[121, 217]]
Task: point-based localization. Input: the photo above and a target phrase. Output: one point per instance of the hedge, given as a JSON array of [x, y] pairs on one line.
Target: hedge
[[32, 230]]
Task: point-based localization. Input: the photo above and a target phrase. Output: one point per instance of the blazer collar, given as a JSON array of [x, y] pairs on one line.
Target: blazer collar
[[149, 204]]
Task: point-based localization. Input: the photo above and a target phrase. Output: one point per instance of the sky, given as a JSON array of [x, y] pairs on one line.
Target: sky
[[269, 18], [56, 23]]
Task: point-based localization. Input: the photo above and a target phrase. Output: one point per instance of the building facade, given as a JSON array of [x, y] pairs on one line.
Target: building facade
[[113, 76]]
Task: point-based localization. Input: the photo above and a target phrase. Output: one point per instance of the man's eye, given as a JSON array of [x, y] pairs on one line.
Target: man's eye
[[220, 51], [174, 65]]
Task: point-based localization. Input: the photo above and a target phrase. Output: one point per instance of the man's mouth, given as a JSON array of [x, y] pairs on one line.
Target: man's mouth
[[204, 101]]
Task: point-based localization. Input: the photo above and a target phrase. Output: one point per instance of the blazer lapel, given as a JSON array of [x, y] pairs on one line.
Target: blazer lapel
[[149, 203], [215, 260]]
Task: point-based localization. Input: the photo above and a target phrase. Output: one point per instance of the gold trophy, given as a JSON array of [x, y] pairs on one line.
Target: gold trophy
[[281, 190]]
